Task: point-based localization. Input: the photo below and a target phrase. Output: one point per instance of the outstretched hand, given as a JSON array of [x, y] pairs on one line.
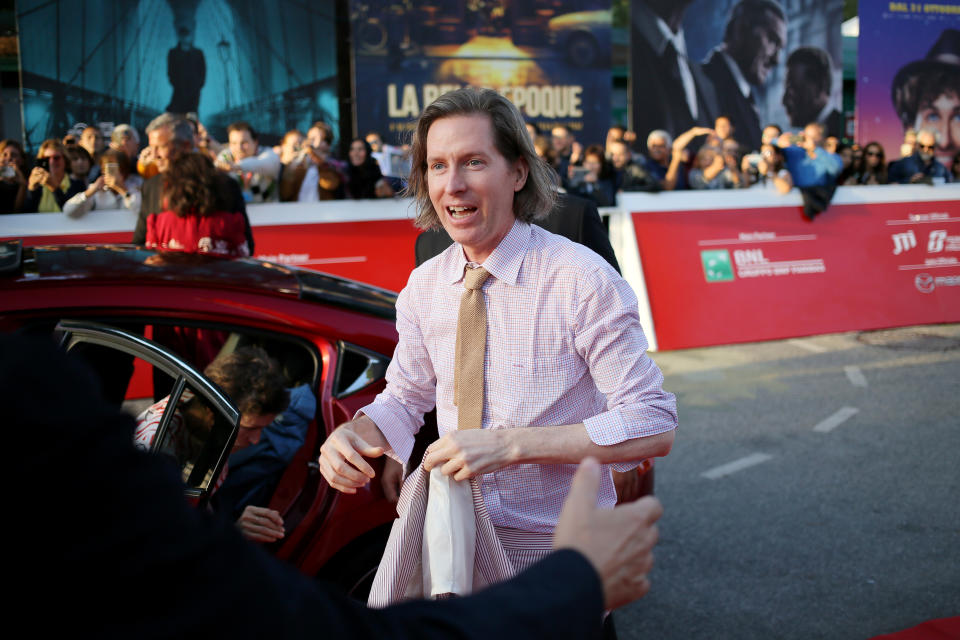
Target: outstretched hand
[[618, 542]]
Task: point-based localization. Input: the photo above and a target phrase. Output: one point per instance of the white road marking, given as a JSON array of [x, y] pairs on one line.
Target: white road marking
[[855, 376], [736, 465], [806, 344], [836, 419]]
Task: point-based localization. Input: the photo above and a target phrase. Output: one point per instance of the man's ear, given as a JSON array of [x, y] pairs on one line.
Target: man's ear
[[523, 171]]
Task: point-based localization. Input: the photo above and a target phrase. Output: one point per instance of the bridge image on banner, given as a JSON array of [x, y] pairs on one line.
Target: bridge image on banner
[[106, 62]]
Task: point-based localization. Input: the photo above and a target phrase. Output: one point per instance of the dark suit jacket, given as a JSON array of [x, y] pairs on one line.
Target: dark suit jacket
[[114, 543], [658, 98], [573, 217], [733, 104], [152, 202]]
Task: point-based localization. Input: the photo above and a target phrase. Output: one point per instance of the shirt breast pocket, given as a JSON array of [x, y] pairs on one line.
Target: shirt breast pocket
[[528, 393]]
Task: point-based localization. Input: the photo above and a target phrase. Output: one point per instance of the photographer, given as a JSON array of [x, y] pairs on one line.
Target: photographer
[[255, 168], [49, 185], [312, 173], [765, 169], [594, 180], [115, 188]]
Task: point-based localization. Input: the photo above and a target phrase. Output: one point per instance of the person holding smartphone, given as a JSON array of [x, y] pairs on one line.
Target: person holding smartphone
[[49, 185], [595, 179], [115, 188]]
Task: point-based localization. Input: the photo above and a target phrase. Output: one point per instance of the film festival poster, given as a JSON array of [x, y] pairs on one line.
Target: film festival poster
[[551, 58], [757, 62], [106, 62], [908, 75]]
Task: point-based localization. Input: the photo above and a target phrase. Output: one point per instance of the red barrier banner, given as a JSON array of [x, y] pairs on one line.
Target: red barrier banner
[[726, 276]]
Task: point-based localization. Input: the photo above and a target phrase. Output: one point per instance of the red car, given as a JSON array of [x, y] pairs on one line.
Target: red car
[[109, 301], [336, 335]]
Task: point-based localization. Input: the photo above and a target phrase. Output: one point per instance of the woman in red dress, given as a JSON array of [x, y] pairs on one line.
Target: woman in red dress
[[194, 220]]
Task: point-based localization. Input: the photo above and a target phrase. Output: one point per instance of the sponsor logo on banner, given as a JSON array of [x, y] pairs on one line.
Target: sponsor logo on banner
[[903, 242], [936, 240], [926, 283], [939, 241], [716, 265], [752, 263]]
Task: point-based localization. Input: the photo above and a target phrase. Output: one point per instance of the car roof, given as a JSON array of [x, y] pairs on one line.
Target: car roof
[[116, 263]]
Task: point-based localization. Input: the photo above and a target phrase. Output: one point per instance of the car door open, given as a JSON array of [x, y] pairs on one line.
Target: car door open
[[195, 426]]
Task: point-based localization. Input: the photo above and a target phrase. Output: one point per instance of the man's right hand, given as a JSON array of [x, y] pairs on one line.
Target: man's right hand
[[341, 456], [618, 542]]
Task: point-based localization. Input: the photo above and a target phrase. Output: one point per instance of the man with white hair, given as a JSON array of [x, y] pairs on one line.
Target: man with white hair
[[662, 163], [126, 139]]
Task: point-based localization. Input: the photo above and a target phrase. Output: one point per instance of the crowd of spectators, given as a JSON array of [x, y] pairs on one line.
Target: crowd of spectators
[[79, 173], [714, 158]]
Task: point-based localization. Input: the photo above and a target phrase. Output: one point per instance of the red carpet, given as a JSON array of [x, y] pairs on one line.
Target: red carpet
[[940, 629]]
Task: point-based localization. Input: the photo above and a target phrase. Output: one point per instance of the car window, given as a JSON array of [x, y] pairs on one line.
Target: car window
[[186, 428], [194, 424]]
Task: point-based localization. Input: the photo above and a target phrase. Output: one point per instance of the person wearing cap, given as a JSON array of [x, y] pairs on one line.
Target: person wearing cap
[[926, 94]]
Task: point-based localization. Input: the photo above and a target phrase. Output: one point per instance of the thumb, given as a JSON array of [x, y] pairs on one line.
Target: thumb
[[364, 448], [585, 488]]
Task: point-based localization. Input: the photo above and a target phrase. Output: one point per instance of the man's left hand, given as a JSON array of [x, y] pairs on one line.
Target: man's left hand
[[469, 453], [261, 524]]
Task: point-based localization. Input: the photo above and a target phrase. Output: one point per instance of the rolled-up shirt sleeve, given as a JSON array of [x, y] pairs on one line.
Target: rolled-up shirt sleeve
[[411, 382], [610, 339]]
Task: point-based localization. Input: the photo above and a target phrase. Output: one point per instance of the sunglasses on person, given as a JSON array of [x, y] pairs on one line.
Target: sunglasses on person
[[873, 154], [926, 147]]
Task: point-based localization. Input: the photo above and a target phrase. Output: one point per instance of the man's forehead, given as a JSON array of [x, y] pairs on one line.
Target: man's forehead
[[463, 125]]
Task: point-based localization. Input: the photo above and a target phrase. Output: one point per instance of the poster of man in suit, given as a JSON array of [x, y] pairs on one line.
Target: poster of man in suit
[[695, 60]]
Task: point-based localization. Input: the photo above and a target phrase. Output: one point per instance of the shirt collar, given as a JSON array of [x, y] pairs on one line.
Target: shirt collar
[[503, 264], [678, 39]]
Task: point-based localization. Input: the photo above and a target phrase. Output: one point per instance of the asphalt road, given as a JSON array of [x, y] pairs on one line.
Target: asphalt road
[[813, 490]]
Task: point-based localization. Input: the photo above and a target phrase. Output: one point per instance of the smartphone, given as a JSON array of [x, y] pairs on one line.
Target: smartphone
[[579, 174], [754, 159], [111, 169], [44, 163]]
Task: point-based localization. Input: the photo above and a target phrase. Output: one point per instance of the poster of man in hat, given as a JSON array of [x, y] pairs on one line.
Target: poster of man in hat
[[909, 76]]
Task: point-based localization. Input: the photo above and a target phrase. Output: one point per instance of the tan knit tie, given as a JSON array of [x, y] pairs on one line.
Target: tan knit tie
[[470, 351]]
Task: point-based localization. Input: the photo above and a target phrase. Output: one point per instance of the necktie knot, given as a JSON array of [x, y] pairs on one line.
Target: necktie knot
[[474, 278]]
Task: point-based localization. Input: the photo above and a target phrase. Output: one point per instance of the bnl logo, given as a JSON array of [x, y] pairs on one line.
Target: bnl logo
[[903, 242]]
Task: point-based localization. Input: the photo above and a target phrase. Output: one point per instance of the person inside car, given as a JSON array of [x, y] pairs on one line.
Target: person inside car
[[253, 380]]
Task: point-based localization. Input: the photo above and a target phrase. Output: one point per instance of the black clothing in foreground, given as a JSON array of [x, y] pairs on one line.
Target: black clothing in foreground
[[574, 218], [109, 547], [152, 194]]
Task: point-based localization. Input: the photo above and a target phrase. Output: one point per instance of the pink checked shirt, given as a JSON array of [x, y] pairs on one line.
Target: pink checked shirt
[[564, 345]]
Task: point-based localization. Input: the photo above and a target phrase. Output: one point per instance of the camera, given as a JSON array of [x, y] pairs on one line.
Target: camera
[[8, 172], [44, 163], [754, 159]]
